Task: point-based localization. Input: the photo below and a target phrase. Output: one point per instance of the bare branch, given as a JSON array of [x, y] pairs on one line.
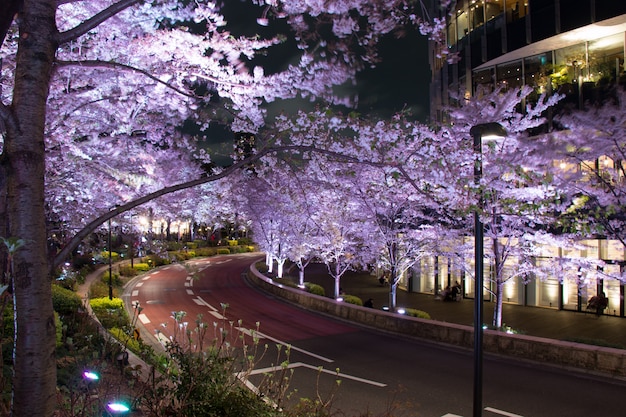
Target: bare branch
[[95, 63], [95, 21]]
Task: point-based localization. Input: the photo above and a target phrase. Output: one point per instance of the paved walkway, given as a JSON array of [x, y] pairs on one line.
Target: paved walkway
[[534, 321]]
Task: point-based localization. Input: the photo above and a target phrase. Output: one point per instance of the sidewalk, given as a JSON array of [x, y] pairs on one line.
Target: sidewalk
[[533, 321]]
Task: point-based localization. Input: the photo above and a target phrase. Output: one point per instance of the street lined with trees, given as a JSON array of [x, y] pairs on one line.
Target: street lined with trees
[[95, 95]]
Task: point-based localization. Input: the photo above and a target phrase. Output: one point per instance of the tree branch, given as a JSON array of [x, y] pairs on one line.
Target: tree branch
[[95, 63], [95, 21]]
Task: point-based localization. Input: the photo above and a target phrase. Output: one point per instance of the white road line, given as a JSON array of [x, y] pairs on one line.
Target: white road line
[[319, 369], [187, 284], [162, 339], [139, 284], [217, 315], [145, 278], [143, 318], [207, 304], [135, 293], [292, 347], [190, 292], [502, 413]]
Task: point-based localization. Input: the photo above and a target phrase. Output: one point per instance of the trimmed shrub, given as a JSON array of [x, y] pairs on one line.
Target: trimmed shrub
[[314, 289], [233, 242], [417, 313], [111, 313], [352, 299], [114, 256], [223, 251], [141, 267], [64, 301]]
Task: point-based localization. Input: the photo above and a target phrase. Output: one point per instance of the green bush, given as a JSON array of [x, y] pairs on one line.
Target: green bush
[[156, 260], [128, 271], [223, 251], [59, 330], [205, 251], [64, 301], [352, 299], [100, 289], [142, 267], [233, 242], [314, 289], [115, 278], [417, 313], [111, 313], [114, 256], [125, 339]]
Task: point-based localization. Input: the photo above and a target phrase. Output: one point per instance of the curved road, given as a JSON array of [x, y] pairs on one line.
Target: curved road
[[378, 372]]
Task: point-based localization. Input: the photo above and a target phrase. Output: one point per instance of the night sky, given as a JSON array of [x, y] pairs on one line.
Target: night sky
[[399, 81]]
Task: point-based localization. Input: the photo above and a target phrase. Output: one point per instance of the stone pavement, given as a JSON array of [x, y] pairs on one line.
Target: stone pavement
[[534, 321]]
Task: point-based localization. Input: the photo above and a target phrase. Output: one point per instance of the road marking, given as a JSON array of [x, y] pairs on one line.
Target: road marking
[[217, 315], [162, 339], [190, 292], [187, 284], [145, 278], [139, 284], [207, 304], [292, 347], [135, 293], [502, 413], [319, 369], [143, 318]]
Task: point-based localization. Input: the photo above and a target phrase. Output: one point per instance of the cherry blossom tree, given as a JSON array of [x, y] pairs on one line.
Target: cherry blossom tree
[[103, 70]]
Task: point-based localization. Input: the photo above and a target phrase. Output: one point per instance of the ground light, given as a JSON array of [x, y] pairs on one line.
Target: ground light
[[117, 408], [486, 131], [91, 376]]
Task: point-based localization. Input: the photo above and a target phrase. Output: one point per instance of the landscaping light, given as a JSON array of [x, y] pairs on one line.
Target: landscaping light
[[91, 376], [118, 408]]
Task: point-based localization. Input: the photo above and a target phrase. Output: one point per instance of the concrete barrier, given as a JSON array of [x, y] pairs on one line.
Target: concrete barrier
[[593, 359]]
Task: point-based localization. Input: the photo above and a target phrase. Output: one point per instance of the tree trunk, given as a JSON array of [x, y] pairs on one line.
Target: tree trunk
[[498, 266], [34, 366], [301, 276]]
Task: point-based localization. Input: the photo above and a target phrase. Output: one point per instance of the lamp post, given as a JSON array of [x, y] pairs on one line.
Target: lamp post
[[487, 131], [110, 265]]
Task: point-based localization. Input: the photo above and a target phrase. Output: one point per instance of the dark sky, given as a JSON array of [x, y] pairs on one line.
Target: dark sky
[[399, 81]]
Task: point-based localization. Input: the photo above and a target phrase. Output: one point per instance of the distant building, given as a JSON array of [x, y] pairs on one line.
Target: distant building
[[574, 47]]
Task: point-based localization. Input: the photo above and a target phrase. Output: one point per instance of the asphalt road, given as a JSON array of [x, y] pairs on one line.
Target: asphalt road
[[378, 372]]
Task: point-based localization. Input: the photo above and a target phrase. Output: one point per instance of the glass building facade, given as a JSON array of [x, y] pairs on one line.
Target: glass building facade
[[573, 47]]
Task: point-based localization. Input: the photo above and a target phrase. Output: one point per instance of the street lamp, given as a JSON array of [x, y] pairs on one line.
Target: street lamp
[[486, 131], [110, 265]]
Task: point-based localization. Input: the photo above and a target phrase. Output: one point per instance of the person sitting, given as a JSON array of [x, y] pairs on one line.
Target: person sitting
[[598, 303], [455, 292]]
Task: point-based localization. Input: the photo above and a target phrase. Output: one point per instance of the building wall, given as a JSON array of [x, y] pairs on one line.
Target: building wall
[[570, 46], [567, 289]]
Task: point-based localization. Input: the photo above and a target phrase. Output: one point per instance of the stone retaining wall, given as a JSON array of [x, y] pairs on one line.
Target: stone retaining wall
[[594, 359]]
